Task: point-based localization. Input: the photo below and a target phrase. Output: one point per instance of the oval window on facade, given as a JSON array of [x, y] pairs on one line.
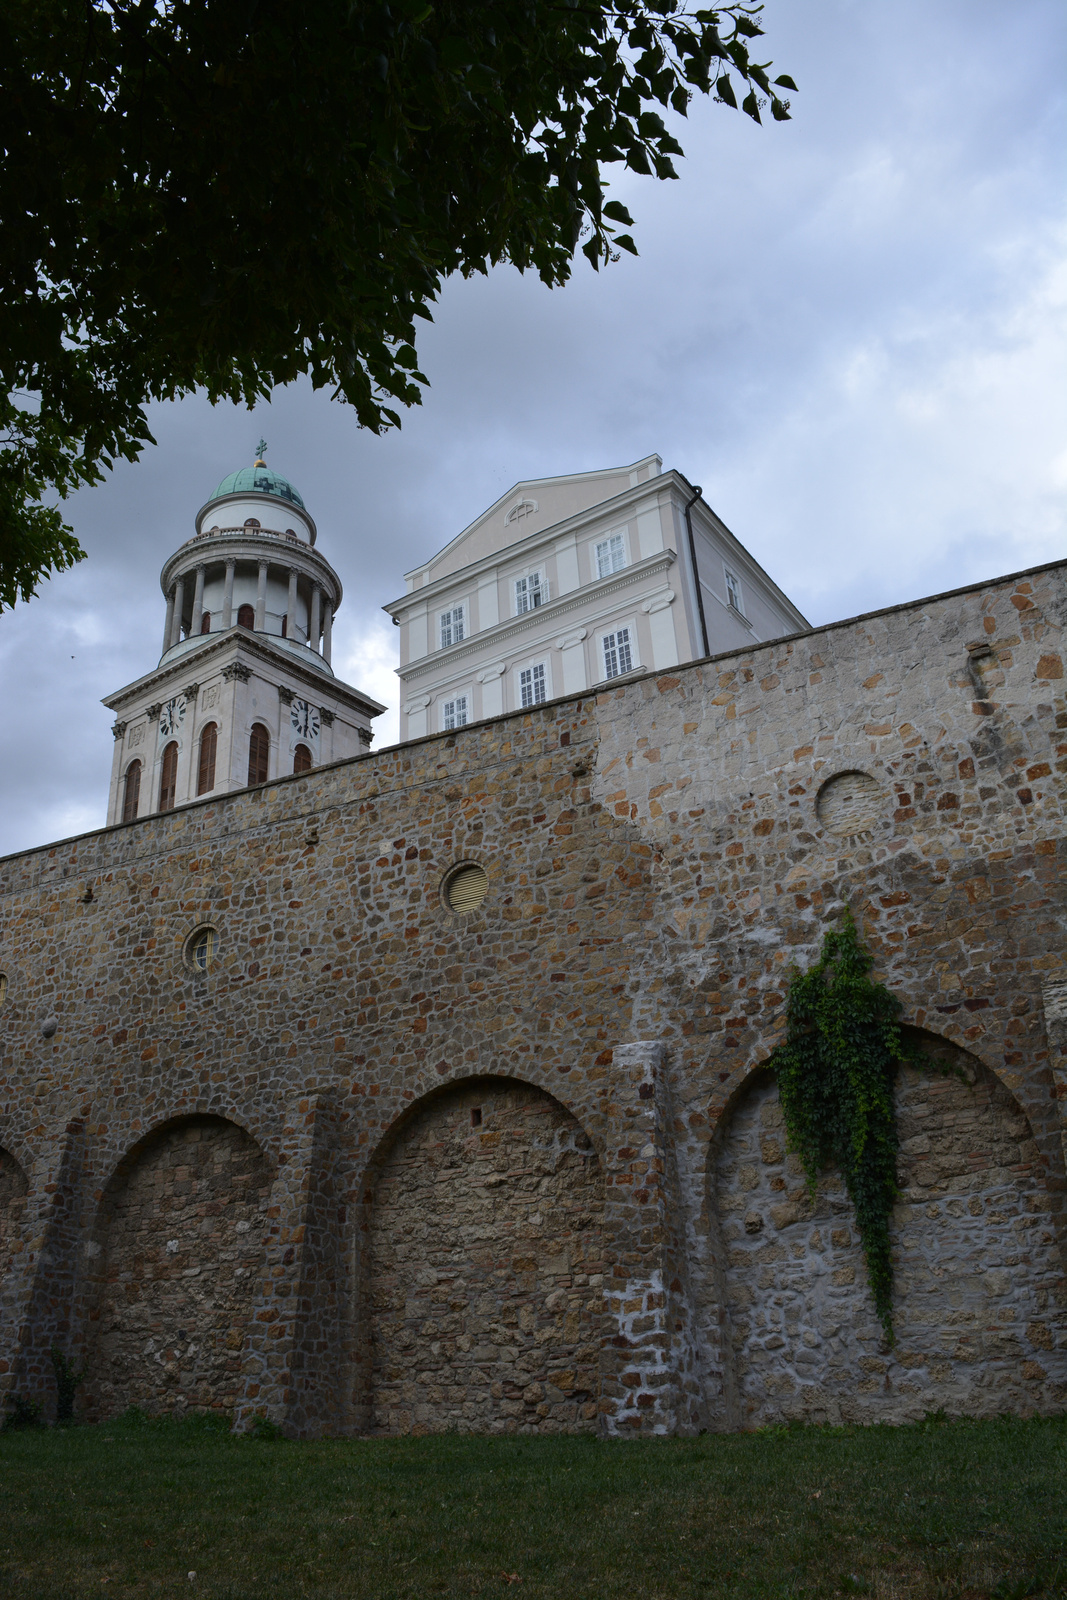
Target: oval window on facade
[[201, 948], [465, 887]]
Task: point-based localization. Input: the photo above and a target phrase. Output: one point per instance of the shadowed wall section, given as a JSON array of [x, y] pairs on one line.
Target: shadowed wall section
[[485, 1267], [978, 1294], [182, 1229]]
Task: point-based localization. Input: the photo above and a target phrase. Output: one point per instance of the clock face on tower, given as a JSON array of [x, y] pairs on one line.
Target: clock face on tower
[[305, 719], [172, 716]]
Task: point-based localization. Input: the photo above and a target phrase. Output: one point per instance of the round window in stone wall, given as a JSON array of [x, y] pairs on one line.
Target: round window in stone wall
[[465, 887], [201, 948], [850, 803]]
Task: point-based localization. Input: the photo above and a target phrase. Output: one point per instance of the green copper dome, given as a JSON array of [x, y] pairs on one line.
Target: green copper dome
[[261, 478]]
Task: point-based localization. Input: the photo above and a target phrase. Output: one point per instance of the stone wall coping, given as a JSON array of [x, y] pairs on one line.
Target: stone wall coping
[[368, 763]]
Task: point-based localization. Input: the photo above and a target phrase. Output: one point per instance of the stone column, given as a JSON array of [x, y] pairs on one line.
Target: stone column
[[316, 612], [198, 604], [227, 596], [327, 632], [648, 1384], [261, 598], [292, 1357], [290, 626], [169, 624], [179, 602]]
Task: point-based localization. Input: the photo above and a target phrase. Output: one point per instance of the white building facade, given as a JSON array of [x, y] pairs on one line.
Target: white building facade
[[568, 583], [244, 691]]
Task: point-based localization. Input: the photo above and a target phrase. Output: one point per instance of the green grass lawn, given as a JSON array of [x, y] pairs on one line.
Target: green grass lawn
[[962, 1509]]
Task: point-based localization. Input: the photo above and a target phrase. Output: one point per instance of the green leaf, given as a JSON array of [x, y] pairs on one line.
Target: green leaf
[[750, 105], [624, 242], [725, 91], [778, 110], [786, 82], [615, 211]]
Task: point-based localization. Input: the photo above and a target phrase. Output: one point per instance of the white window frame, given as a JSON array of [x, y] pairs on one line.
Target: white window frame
[[606, 543], [456, 712], [735, 595], [457, 606], [543, 667], [530, 591], [629, 627]]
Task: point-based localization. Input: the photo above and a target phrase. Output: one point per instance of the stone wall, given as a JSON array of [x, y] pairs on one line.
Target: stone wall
[[485, 1263], [980, 1314], [658, 855], [180, 1249], [13, 1190]]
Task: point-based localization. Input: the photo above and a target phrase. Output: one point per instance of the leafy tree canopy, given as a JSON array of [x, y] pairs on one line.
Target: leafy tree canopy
[[224, 194]]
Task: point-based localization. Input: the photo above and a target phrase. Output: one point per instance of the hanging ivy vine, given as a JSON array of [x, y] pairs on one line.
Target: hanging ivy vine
[[836, 1070]]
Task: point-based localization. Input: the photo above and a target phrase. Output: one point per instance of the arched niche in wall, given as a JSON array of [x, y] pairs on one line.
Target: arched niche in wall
[[178, 1264], [979, 1313], [482, 1266]]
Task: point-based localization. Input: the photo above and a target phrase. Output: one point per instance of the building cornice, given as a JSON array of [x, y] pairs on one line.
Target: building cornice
[[220, 650], [651, 489], [544, 617]]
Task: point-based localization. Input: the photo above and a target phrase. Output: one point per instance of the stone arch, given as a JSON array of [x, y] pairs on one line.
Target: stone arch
[[979, 1305], [482, 1265], [179, 1254]]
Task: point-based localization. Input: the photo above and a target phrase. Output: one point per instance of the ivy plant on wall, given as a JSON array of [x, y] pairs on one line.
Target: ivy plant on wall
[[836, 1071]]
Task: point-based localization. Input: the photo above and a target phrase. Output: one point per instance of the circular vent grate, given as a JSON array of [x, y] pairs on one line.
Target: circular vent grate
[[466, 888]]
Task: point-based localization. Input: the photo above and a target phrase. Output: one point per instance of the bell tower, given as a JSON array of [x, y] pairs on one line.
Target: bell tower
[[243, 691]]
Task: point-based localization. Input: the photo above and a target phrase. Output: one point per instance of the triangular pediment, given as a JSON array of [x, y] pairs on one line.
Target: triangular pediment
[[529, 507]]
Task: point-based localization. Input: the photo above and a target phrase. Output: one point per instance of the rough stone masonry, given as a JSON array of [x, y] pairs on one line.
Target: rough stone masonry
[[388, 1167]]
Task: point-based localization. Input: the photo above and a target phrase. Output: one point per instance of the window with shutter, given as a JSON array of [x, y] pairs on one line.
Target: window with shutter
[[454, 712], [246, 616], [302, 761], [205, 622], [610, 555], [618, 653], [168, 778], [452, 627], [209, 743], [131, 794], [530, 592], [258, 753], [533, 690], [733, 591]]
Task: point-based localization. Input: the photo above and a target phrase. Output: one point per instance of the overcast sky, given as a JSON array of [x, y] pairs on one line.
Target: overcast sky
[[850, 328]]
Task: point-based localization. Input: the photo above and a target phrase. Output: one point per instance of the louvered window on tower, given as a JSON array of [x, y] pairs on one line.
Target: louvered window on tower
[[168, 777], [209, 743], [454, 712], [258, 753], [452, 629], [466, 887], [532, 687], [618, 654], [131, 795], [530, 592]]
